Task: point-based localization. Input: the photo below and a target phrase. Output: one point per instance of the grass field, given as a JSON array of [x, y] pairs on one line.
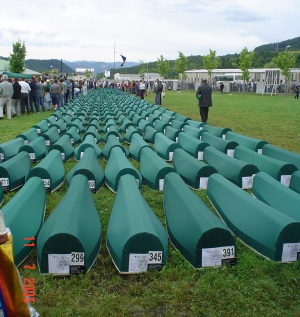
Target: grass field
[[254, 287]]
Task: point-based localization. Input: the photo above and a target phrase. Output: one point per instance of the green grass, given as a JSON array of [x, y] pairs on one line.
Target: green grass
[[255, 287]]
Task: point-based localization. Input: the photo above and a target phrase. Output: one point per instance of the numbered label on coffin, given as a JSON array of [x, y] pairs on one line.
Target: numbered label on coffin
[[77, 263], [290, 252], [4, 182], [218, 256], [143, 262], [32, 157], [92, 184]]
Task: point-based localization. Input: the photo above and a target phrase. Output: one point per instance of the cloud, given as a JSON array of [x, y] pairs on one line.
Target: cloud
[[143, 30]]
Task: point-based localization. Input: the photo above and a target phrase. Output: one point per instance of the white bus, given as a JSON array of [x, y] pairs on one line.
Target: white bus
[[232, 78]]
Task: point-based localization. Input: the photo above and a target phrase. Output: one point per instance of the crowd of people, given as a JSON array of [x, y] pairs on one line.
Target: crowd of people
[[19, 96]]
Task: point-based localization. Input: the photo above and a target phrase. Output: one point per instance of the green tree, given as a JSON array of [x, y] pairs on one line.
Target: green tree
[[210, 62], [163, 66], [88, 74], [285, 61], [17, 58], [245, 62], [142, 69], [181, 64]]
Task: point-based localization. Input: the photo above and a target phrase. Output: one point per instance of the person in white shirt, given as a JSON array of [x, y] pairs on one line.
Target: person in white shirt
[[25, 90], [142, 89]]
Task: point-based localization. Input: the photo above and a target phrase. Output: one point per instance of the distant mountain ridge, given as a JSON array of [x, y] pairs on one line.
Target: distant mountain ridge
[[263, 55]]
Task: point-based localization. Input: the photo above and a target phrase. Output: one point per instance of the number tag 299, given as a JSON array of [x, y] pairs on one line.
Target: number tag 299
[[77, 258]]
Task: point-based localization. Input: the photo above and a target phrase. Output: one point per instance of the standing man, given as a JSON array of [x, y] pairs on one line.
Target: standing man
[[158, 91], [39, 95], [25, 90], [16, 97], [142, 89], [6, 92], [55, 93], [32, 95], [203, 94]]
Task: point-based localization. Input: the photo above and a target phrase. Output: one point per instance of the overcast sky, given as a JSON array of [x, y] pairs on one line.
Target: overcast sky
[[143, 29]]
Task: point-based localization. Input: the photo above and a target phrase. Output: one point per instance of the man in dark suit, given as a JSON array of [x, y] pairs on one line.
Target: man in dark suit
[[203, 94]]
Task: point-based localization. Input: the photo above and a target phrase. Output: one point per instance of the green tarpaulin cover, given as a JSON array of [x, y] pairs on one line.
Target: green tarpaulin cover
[[279, 170], [194, 229], [24, 216], [261, 227], [238, 172], [153, 168], [295, 182], [88, 166], [51, 170], [10, 149], [250, 143], [73, 226], [136, 239], [164, 146], [192, 171], [14, 171], [36, 149], [117, 166], [276, 195]]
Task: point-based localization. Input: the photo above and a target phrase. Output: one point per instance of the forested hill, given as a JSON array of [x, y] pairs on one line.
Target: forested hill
[[263, 58]]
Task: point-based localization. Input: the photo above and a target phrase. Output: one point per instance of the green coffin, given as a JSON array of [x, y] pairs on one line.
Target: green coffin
[[202, 237], [92, 130], [161, 125], [192, 171], [24, 216], [89, 141], [276, 195], [279, 170], [51, 170], [250, 143], [41, 126], [14, 171], [194, 132], [295, 182], [238, 172], [222, 145], [136, 145], [180, 117], [261, 227], [51, 120], [219, 132], [112, 131], [88, 166], [126, 124], [72, 132], [61, 126], [143, 124], [117, 166], [36, 149], [281, 154], [64, 146], [136, 239], [68, 120], [51, 136], [78, 125], [195, 124], [179, 125], [28, 135], [164, 146], [150, 134], [191, 145], [73, 226], [172, 133], [153, 168], [112, 142], [129, 133], [10, 149]]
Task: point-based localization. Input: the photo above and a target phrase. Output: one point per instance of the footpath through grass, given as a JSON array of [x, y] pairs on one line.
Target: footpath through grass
[[255, 287]]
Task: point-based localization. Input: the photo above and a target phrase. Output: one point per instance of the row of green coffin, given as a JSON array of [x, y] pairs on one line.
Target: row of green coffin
[[136, 239], [237, 171], [271, 230]]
